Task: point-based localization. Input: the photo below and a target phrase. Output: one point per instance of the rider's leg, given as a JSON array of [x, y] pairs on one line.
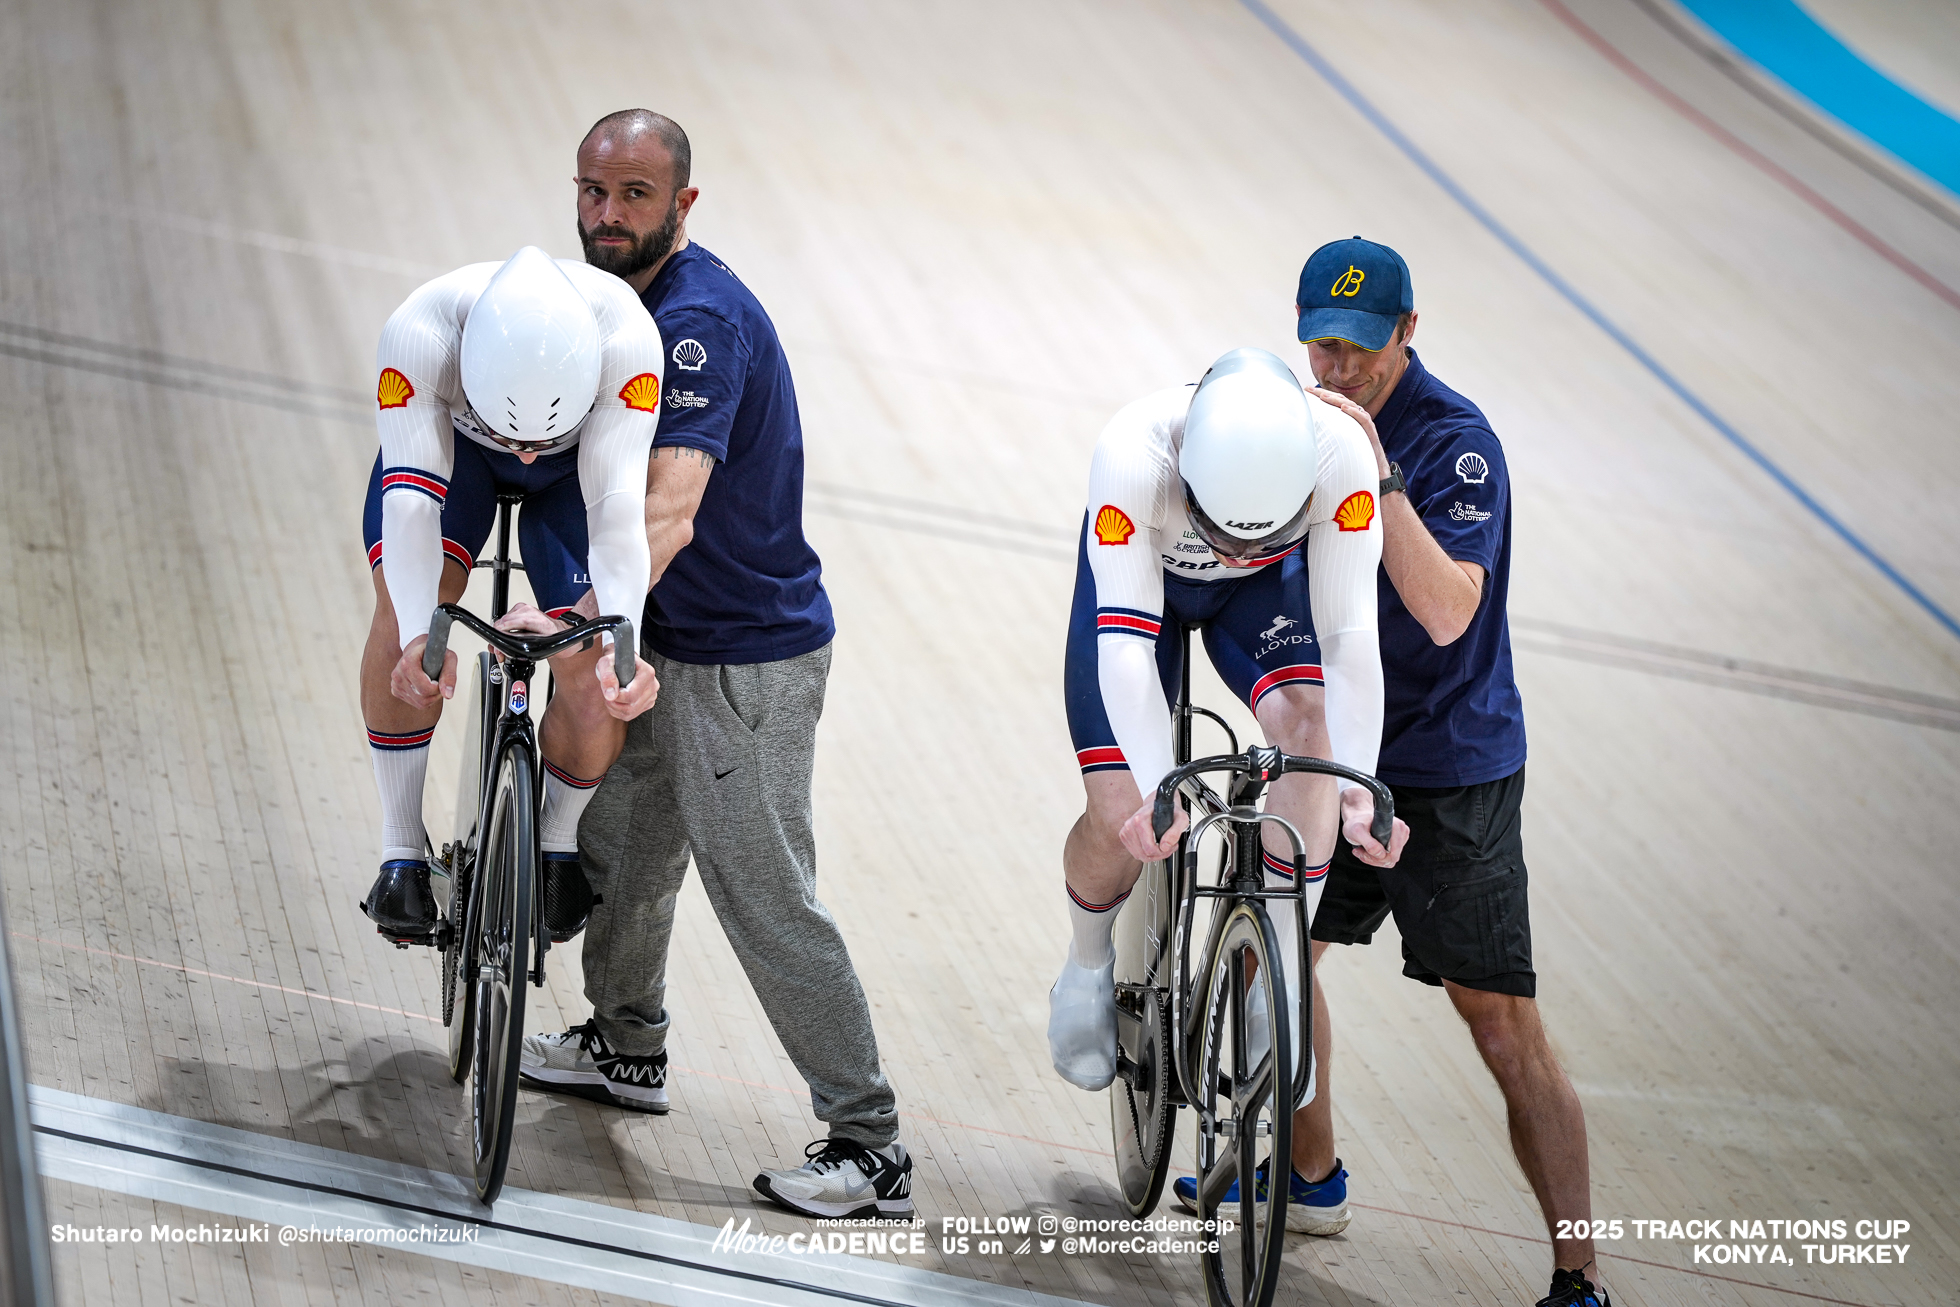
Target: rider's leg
[[1100, 873], [398, 733], [579, 741], [577, 737], [1098, 869]]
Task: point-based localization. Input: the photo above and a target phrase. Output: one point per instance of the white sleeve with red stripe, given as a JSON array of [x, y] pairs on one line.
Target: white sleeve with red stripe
[[1128, 480], [613, 444], [418, 377], [1344, 552]]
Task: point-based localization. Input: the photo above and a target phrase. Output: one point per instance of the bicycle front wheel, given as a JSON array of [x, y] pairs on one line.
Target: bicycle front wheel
[[1245, 1116], [458, 958], [508, 867]]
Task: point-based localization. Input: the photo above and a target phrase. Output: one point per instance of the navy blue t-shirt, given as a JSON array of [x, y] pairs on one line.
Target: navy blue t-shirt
[[748, 588], [1452, 715]]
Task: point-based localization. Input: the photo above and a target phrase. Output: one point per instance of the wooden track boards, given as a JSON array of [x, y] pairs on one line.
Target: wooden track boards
[[980, 231]]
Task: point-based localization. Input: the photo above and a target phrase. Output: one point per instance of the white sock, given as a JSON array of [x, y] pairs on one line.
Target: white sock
[[565, 797], [1093, 924], [401, 764]]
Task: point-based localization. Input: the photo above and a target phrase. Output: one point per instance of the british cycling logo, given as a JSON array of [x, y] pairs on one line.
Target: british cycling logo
[[1472, 468], [1462, 512], [690, 356]]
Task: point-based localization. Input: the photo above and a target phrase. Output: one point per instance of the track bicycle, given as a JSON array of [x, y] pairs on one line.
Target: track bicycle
[[490, 932], [1208, 1030]]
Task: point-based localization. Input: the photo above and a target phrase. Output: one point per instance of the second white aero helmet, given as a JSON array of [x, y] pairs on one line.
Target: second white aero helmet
[[1250, 458], [530, 357]]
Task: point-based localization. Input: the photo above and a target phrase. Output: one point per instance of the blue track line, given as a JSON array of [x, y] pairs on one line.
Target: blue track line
[[1366, 108], [1813, 62]]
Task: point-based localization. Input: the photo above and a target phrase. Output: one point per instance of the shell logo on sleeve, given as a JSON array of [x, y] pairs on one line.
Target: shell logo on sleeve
[[1355, 512], [642, 393], [393, 390], [1113, 526], [1472, 468], [690, 356]]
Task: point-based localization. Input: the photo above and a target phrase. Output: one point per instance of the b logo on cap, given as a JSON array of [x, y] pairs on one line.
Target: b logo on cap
[[1349, 283]]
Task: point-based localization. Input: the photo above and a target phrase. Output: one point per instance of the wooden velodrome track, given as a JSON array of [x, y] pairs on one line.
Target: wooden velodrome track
[[981, 229]]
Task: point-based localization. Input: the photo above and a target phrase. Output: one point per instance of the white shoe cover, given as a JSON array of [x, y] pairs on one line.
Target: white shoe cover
[[1082, 1024]]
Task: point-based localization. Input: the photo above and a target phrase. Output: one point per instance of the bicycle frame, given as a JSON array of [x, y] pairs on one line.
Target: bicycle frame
[[1251, 772]]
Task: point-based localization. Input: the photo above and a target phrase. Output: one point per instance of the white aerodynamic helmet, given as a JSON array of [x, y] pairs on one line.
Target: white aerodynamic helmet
[[530, 358], [1250, 458]]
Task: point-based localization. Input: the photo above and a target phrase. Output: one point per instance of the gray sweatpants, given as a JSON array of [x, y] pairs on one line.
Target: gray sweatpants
[[720, 767]]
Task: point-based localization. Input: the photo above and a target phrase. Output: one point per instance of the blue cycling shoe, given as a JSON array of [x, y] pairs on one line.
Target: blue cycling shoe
[[1316, 1208]]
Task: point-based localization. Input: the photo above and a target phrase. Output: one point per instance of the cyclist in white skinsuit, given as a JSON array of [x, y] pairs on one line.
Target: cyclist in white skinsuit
[[1199, 502], [550, 371]]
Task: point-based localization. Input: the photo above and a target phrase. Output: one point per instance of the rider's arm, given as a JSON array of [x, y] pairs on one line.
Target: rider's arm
[[418, 448], [1122, 538], [1344, 550], [613, 445]]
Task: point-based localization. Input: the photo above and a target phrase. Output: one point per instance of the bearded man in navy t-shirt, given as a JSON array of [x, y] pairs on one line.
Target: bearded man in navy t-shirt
[[738, 628], [1453, 745]]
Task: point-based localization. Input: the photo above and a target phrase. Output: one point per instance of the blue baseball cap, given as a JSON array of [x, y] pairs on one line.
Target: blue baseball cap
[[1353, 290]]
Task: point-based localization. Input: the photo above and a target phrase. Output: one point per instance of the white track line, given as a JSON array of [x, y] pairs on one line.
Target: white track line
[[565, 1240]]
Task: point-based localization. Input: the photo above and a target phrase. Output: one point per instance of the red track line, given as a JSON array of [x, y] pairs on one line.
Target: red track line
[[958, 1125], [1794, 184], [418, 1016], [217, 975]]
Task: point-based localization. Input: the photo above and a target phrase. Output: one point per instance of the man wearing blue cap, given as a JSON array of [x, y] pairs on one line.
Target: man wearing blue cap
[[1453, 745]]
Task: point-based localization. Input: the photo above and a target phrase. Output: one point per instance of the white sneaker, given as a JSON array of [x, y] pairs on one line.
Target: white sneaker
[[579, 1061], [843, 1179], [1082, 1024]]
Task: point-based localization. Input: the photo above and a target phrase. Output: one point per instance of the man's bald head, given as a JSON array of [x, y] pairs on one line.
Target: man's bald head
[[628, 127]]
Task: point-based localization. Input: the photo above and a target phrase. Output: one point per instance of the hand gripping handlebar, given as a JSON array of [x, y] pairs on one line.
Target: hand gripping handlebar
[[533, 648], [1265, 764]]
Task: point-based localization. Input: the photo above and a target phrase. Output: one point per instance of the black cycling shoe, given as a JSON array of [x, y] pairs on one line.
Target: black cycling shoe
[[400, 904], [1573, 1289], [568, 897]]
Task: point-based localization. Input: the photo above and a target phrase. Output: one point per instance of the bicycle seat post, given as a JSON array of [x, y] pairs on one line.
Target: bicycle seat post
[[500, 565]]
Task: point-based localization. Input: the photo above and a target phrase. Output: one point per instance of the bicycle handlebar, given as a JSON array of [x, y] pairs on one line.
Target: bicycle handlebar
[[532, 648], [1267, 763]]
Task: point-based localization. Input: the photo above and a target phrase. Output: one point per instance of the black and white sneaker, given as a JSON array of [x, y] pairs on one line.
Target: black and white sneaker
[[579, 1061], [844, 1179]]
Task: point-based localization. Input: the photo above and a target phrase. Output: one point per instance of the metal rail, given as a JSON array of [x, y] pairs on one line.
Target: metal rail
[[27, 1261]]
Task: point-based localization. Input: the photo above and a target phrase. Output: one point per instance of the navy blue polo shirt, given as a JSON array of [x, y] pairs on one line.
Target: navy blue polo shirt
[[748, 588], [1452, 714]]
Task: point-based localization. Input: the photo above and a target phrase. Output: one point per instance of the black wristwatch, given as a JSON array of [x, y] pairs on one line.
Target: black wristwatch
[[1394, 481]]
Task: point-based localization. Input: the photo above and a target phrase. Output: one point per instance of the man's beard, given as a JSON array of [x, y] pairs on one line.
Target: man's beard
[[638, 254]]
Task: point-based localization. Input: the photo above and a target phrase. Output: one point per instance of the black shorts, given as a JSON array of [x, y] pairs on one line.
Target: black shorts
[[1458, 892]]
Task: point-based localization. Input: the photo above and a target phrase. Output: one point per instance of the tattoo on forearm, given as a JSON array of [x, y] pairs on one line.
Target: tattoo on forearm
[[680, 453]]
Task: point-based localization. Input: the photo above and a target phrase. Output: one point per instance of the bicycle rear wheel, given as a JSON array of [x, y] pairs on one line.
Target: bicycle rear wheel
[[1142, 1101], [1245, 1118], [502, 930]]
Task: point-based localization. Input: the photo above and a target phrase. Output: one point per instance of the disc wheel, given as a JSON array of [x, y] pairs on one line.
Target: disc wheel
[[458, 994], [1245, 1119], [1142, 1115], [509, 869]]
